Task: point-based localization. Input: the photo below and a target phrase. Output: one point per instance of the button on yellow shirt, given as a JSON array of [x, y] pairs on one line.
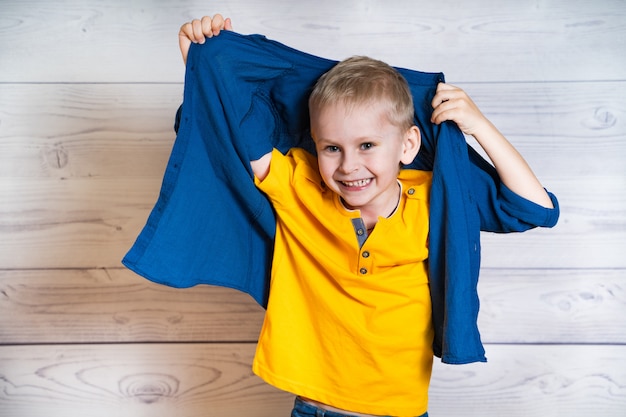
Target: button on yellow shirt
[[348, 321]]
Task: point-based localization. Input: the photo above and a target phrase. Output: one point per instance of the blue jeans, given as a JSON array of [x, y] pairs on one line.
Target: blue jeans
[[304, 409]]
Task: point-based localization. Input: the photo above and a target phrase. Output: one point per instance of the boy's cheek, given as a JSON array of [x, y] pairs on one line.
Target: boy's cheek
[[326, 170]]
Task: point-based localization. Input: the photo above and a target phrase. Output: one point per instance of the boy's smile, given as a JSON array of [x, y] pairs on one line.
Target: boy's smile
[[356, 184], [359, 155]]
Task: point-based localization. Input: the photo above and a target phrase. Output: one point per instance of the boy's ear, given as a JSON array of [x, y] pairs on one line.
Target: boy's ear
[[411, 145]]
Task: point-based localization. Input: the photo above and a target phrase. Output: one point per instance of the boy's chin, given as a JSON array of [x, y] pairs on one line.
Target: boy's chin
[[352, 203]]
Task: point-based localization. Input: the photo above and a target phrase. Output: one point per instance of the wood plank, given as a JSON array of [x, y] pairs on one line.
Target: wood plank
[[96, 132], [80, 130], [590, 232], [87, 96], [561, 129], [208, 379], [86, 130], [92, 222], [576, 306], [134, 380], [115, 305], [98, 41], [77, 223], [99, 306], [526, 380]]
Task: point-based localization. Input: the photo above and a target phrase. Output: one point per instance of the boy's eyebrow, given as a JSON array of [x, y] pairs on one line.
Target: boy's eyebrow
[[364, 138]]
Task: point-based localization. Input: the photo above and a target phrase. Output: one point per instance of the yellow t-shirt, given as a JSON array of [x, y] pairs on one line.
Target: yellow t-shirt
[[347, 325]]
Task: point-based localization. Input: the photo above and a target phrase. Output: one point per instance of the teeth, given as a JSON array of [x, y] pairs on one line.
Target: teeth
[[359, 183]]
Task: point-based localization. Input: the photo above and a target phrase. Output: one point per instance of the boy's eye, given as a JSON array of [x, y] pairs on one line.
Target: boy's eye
[[332, 148], [367, 145]]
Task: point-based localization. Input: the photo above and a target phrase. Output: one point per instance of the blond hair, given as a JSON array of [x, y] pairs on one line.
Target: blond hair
[[360, 80]]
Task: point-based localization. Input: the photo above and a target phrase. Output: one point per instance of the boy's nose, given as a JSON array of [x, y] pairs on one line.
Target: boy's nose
[[349, 163]]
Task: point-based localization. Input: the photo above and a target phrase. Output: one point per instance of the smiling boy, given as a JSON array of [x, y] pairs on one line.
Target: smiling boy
[[342, 289], [348, 327]]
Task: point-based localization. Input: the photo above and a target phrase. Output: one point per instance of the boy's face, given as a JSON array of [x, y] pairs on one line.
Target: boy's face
[[359, 154]]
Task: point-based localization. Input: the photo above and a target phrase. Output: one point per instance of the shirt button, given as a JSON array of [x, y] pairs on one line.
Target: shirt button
[[363, 271], [411, 191], [360, 232], [366, 254]]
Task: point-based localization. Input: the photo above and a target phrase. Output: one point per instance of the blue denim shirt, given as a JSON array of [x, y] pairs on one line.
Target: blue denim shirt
[[245, 95]]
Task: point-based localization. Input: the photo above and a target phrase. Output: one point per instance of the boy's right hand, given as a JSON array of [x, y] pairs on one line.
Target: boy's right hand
[[198, 30]]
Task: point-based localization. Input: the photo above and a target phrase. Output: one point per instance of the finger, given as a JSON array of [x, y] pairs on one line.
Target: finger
[[186, 30], [217, 24], [439, 96], [228, 25], [446, 109], [184, 39], [446, 93], [439, 115], [198, 32], [207, 26], [439, 99], [442, 115], [188, 34], [446, 86]]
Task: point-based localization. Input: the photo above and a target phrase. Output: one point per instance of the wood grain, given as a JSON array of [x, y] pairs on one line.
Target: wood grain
[[562, 129], [121, 130], [78, 223], [134, 380], [114, 41], [590, 232], [115, 305], [535, 305], [77, 186], [521, 381], [92, 222], [215, 379], [86, 130], [88, 92]]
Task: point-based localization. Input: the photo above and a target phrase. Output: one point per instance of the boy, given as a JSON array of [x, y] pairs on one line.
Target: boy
[[348, 326]]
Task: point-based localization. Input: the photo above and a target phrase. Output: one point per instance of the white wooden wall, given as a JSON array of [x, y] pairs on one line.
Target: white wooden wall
[[88, 92]]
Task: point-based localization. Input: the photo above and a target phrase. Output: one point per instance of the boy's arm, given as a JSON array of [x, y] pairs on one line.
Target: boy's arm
[[197, 31], [452, 103]]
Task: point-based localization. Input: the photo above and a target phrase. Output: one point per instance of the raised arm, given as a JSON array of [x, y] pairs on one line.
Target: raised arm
[[452, 103], [197, 31]]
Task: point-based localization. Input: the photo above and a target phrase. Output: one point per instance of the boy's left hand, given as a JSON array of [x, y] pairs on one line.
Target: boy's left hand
[[198, 30], [452, 103]]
